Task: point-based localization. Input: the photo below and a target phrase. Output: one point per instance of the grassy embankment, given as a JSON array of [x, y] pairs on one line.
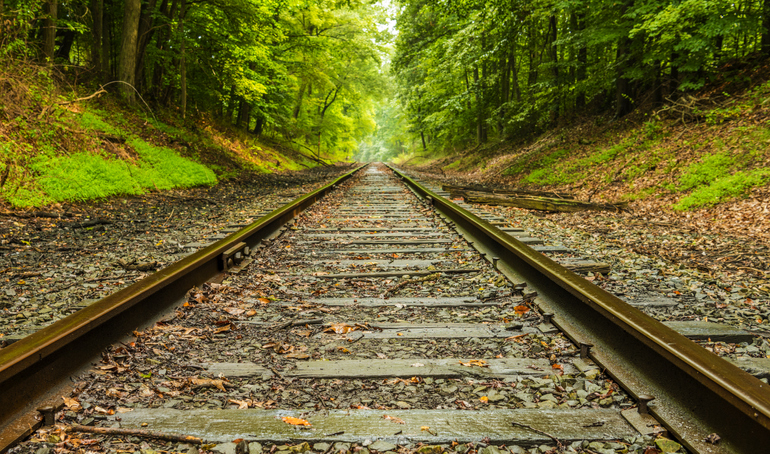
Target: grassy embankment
[[54, 148], [698, 152]]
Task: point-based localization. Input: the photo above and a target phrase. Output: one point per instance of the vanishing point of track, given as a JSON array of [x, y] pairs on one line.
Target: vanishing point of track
[[485, 340]]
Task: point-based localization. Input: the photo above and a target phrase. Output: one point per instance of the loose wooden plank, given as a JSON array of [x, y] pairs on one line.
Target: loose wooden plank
[[388, 263], [394, 273], [552, 249], [698, 330], [355, 426], [480, 188], [650, 301], [372, 235], [362, 251], [548, 204], [414, 301], [421, 367], [585, 266], [437, 331]]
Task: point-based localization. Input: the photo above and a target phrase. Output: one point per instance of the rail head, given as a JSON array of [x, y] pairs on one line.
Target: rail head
[[713, 388]]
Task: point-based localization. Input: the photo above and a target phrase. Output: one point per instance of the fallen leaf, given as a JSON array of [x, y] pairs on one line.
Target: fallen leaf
[[484, 399], [208, 382], [393, 419], [339, 328], [234, 310], [427, 429], [521, 310], [264, 300], [475, 362], [251, 313], [242, 404], [297, 355], [72, 404], [223, 329], [295, 421]]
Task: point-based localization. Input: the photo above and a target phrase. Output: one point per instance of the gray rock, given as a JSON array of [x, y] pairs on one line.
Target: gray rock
[[382, 446]]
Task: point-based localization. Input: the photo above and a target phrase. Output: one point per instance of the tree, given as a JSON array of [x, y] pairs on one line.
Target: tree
[[127, 63]]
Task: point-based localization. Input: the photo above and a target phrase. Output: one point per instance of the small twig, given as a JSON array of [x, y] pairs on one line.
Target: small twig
[[136, 433], [101, 90], [430, 277], [558, 442]]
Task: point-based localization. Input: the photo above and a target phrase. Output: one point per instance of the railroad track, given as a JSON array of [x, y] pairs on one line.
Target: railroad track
[[382, 318]]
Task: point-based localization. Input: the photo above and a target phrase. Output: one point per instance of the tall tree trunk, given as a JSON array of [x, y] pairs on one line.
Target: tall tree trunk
[[259, 124], [49, 29], [673, 86], [97, 11], [553, 51], [422, 136], [582, 65], [622, 96], [2, 7], [146, 31], [479, 106], [163, 39], [230, 105], [515, 75], [108, 65], [65, 47], [657, 87], [765, 43], [127, 62], [298, 105], [183, 61]]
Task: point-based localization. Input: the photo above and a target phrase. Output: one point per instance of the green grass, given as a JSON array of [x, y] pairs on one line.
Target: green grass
[[724, 188], [85, 176]]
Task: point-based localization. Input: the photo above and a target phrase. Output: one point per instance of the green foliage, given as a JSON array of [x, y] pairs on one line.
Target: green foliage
[[85, 176], [724, 187], [475, 69], [712, 168]]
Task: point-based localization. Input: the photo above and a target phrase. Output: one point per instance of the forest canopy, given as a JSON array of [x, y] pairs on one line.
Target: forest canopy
[[469, 70], [331, 78], [304, 71]]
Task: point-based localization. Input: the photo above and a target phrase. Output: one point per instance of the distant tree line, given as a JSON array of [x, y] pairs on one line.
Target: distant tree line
[[470, 69], [306, 70]]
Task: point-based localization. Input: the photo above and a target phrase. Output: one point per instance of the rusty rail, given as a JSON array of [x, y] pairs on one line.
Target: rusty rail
[[34, 370], [696, 392]]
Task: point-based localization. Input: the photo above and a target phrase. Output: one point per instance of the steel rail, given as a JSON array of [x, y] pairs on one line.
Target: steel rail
[[34, 370], [696, 392]]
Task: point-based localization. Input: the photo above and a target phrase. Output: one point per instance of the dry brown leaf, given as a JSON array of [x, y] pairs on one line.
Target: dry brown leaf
[[222, 329], [235, 311], [339, 328], [393, 419], [251, 313], [242, 404], [521, 310], [475, 362], [295, 421], [263, 300], [72, 404], [208, 382], [297, 355]]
